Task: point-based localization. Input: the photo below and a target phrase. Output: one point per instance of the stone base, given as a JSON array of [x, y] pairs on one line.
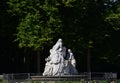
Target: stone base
[[59, 78]]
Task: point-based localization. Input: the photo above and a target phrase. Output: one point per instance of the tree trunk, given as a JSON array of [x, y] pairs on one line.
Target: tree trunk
[[38, 62], [89, 63], [26, 60]]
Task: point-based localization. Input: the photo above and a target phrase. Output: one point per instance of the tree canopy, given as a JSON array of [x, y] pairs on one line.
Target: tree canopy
[[82, 24]]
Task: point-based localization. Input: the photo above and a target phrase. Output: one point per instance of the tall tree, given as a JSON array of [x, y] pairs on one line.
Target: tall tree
[[84, 25], [113, 20], [39, 22]]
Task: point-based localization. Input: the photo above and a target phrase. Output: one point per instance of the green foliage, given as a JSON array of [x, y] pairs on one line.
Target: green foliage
[[113, 16], [117, 81], [21, 8], [31, 33], [82, 24], [103, 81], [1, 81], [39, 22]]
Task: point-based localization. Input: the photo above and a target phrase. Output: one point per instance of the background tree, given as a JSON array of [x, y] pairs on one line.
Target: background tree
[[88, 32], [89, 27], [39, 22], [85, 27], [112, 19], [8, 49]]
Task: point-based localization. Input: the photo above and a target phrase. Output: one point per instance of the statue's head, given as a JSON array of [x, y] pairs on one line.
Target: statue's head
[[60, 40], [69, 50]]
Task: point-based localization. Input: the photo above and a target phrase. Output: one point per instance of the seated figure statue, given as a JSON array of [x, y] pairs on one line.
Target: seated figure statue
[[71, 63], [48, 68], [56, 64]]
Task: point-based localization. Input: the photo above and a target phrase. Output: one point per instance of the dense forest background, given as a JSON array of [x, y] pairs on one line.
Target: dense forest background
[[29, 28]]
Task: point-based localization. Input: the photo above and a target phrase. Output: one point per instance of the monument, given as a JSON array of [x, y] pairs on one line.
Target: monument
[[61, 66], [60, 62]]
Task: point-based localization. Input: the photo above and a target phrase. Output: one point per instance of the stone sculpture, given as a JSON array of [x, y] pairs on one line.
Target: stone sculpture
[[56, 64]]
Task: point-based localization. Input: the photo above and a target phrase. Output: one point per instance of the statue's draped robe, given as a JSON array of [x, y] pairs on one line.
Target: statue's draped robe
[[56, 64]]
